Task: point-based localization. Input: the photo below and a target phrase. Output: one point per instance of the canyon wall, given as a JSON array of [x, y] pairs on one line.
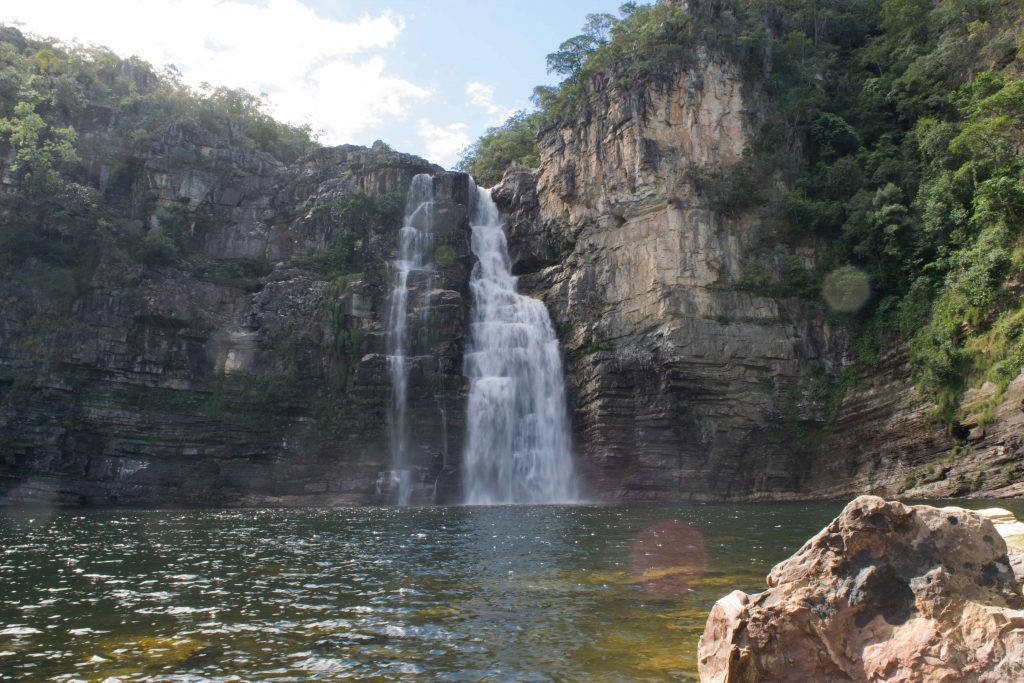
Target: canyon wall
[[245, 373]]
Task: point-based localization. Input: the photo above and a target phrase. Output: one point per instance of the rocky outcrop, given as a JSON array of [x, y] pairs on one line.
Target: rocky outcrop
[[884, 439], [885, 592], [689, 380], [1012, 532]]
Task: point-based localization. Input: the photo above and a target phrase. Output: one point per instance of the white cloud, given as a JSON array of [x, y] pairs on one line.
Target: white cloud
[[443, 143], [315, 70], [482, 95]]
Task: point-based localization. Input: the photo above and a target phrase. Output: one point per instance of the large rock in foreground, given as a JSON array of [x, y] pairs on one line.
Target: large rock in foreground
[[887, 592]]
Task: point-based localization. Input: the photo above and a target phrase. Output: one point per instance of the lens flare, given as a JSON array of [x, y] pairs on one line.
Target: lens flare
[[846, 289]]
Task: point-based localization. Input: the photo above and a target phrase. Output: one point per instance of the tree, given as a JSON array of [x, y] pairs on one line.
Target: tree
[[598, 27], [41, 152], [573, 53], [513, 142], [570, 55], [833, 137]]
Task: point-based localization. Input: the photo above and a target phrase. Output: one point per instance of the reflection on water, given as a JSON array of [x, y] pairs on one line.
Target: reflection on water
[[378, 594], [669, 557]]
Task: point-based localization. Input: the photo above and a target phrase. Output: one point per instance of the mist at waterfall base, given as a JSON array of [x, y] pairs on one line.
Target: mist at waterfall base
[[518, 448]]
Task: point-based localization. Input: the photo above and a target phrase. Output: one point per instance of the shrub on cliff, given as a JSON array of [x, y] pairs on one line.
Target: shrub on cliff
[[53, 217], [512, 143], [156, 248], [354, 219]]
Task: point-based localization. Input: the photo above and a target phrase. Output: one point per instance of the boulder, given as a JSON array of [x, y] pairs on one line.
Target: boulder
[[887, 592]]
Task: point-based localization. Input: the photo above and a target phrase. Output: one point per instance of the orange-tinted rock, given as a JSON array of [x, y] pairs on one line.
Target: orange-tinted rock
[[887, 592]]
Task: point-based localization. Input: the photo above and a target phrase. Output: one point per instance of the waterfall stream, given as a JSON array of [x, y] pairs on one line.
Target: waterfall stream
[[414, 243], [517, 447], [518, 444]]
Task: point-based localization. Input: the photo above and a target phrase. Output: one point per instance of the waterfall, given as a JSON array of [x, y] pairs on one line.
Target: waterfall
[[414, 242], [518, 445]]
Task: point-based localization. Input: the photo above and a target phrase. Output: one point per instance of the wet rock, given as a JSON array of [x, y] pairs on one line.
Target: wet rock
[[885, 592], [532, 244]]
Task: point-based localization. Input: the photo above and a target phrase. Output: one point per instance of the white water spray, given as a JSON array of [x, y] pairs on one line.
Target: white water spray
[[518, 444]]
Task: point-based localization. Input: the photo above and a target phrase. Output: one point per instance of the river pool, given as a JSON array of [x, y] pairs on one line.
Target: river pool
[[543, 593]]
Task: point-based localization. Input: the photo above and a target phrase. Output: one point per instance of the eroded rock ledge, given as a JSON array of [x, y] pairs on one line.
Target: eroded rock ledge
[[887, 592]]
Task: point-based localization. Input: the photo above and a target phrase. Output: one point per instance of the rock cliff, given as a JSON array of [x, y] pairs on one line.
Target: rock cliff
[[887, 439], [242, 372], [688, 381], [696, 375]]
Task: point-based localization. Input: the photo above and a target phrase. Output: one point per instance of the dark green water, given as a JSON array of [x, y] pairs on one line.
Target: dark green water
[[377, 594]]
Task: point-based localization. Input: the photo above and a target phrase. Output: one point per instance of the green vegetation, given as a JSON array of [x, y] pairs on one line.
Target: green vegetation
[[822, 391], [646, 45], [58, 84], [241, 274], [54, 217], [333, 405], [59, 220], [46, 87], [354, 218], [514, 143], [897, 124], [643, 45], [444, 256], [591, 345], [796, 280]]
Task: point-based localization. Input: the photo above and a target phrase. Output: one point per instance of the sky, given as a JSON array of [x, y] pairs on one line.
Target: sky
[[426, 77]]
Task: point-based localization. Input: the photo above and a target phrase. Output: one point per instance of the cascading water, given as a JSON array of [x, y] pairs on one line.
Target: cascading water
[[518, 445], [414, 242]]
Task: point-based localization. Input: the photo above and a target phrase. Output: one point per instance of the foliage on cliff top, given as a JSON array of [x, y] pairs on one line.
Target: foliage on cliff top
[[645, 43], [514, 143], [65, 83], [605, 40], [52, 211]]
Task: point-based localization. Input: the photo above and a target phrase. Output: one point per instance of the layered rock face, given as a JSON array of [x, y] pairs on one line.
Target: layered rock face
[[887, 440], [885, 592], [687, 380], [241, 375]]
